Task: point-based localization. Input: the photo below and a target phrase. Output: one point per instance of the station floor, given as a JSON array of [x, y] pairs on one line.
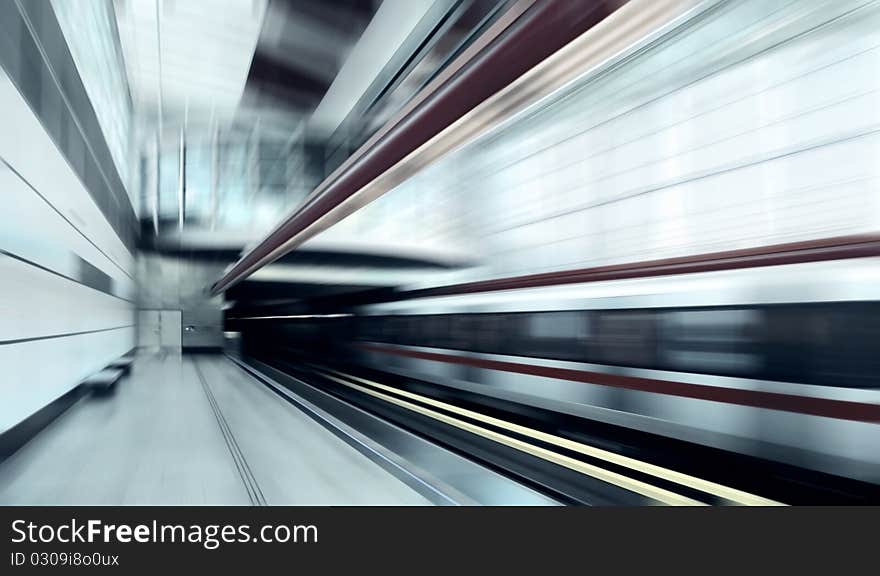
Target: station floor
[[193, 430]]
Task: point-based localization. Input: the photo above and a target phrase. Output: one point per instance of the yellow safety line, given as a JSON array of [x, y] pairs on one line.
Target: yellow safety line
[[731, 495], [637, 486]]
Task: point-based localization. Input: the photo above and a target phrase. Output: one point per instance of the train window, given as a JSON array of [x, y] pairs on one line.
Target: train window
[[627, 337], [436, 331], [786, 343], [393, 329], [719, 341], [490, 335], [827, 344], [461, 331], [824, 344], [415, 331], [831, 344], [376, 328], [369, 328], [424, 332], [849, 341], [432, 331], [558, 335]]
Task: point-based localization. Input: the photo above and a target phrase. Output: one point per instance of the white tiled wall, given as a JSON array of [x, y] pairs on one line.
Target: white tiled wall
[[54, 331], [756, 125]]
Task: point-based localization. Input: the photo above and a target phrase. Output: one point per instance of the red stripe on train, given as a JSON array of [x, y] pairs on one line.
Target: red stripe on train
[[840, 409]]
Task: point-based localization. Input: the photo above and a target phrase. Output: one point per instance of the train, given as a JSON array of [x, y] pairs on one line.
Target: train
[[776, 362]]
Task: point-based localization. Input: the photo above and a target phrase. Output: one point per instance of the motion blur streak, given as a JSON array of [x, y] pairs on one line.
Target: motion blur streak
[[729, 494], [856, 411], [447, 252], [546, 28], [658, 494], [674, 242]]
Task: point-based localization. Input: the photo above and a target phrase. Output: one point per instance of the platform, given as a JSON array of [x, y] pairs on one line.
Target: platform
[[183, 430]]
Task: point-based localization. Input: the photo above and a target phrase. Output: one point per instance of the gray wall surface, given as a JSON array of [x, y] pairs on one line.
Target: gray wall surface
[[179, 283]]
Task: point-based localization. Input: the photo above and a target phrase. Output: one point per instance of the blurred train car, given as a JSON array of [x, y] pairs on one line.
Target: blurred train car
[[780, 363], [742, 143]]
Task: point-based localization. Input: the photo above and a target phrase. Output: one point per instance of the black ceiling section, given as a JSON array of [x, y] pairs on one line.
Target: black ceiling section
[[303, 257], [302, 46], [256, 291], [350, 16], [302, 299], [279, 83]]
